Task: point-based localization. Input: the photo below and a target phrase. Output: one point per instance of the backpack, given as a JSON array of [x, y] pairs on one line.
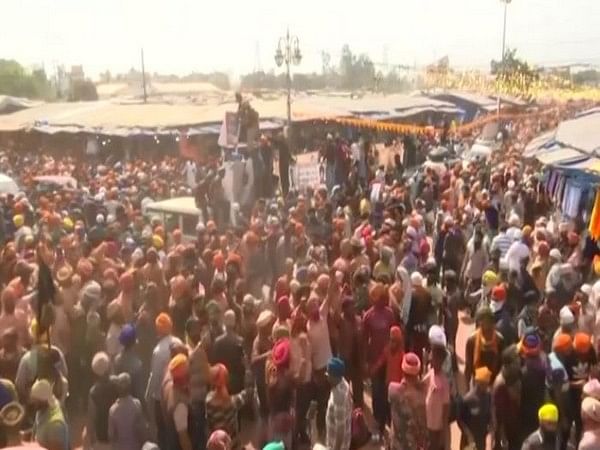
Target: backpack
[[360, 434]]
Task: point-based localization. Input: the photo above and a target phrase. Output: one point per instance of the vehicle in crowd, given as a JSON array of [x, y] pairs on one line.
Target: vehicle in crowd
[[488, 142], [439, 159], [177, 212]]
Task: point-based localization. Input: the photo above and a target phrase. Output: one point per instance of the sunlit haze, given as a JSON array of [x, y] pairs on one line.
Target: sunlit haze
[[180, 36]]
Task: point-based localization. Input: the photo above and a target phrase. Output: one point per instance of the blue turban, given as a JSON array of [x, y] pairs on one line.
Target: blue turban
[[336, 367], [302, 274], [127, 335]]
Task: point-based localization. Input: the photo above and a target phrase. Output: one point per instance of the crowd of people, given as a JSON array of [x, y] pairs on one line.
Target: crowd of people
[[327, 317]]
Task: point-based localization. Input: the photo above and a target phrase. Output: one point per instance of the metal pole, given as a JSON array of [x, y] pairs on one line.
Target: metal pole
[[503, 47], [144, 78], [288, 61], [289, 95]]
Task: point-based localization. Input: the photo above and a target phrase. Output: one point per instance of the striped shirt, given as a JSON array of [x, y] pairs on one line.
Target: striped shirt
[[502, 242], [339, 416]]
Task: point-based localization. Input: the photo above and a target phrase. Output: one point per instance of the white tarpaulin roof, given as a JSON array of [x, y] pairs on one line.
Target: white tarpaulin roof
[[582, 133], [574, 145], [9, 103], [128, 118]]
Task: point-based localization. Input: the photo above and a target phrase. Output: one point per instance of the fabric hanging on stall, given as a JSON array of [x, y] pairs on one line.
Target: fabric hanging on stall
[[560, 190], [571, 200], [552, 183], [594, 226]]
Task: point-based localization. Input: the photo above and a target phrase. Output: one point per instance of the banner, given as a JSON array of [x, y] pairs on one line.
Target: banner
[[228, 135], [303, 175]]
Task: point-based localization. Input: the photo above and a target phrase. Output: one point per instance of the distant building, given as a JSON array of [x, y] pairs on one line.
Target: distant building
[[77, 73]]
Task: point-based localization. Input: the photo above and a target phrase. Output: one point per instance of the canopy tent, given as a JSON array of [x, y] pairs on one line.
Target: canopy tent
[[574, 145], [127, 118], [582, 133], [539, 143], [9, 104], [110, 118]]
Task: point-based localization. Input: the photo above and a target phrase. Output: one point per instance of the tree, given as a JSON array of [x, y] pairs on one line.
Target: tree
[[512, 70], [587, 77], [263, 80], [15, 80], [309, 81], [83, 90], [356, 72], [325, 62]]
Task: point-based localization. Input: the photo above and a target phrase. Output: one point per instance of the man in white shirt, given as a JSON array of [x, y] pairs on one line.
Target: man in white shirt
[[513, 227], [516, 253], [189, 171], [318, 336]]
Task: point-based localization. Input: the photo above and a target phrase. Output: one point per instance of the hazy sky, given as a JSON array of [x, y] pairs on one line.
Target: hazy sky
[[235, 35]]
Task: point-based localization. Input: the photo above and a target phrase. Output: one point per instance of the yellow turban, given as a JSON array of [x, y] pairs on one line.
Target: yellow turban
[[490, 278], [67, 224], [18, 220], [365, 207], [157, 242], [548, 413]]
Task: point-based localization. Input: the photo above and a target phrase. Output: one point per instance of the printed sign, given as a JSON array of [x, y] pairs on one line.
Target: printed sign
[[228, 135]]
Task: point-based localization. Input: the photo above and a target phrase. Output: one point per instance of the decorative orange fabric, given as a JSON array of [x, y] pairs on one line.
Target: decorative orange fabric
[[594, 226]]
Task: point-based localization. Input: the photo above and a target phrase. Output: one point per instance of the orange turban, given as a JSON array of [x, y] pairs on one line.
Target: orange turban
[[562, 342], [218, 261], [377, 292], [85, 268], [582, 343], [126, 282], [163, 324]]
